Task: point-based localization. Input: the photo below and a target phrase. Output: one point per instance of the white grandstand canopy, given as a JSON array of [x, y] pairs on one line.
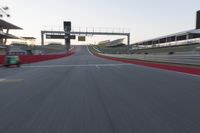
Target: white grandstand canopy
[[6, 25], [115, 42], [4, 35], [193, 31]]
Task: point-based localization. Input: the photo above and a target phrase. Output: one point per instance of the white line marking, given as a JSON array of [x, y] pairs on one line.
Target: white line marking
[[10, 80], [96, 49], [71, 48], [1, 80], [97, 66], [84, 65], [89, 51]]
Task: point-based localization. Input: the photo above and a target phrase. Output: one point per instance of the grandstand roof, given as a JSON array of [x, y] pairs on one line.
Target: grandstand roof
[[4, 35], [193, 31], [115, 42], [28, 38], [196, 31], [104, 42], [6, 25]]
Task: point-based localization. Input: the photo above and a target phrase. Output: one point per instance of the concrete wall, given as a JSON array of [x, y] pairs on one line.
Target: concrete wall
[[2, 51], [37, 58]]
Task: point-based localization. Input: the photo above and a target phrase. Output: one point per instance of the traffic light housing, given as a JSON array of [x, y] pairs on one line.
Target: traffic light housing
[[198, 20], [67, 25]]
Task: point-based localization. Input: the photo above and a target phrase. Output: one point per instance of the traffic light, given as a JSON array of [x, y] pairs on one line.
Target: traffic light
[[198, 20], [67, 25]]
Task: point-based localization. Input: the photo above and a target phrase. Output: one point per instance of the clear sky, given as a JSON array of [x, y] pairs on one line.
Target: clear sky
[[146, 19]]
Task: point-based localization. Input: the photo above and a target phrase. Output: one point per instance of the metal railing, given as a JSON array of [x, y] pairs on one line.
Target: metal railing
[[87, 29], [190, 58]]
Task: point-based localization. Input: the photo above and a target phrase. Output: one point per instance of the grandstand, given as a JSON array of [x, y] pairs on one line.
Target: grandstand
[[54, 48], [29, 40], [2, 49], [23, 45], [190, 37], [112, 47], [181, 38], [4, 25], [115, 43], [14, 50], [180, 49], [104, 43]]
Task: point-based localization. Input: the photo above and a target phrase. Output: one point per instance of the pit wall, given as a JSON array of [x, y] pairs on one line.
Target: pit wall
[[37, 58]]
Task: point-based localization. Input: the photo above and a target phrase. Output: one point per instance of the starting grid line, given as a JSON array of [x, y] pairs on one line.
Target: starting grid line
[[10, 80], [84, 65]]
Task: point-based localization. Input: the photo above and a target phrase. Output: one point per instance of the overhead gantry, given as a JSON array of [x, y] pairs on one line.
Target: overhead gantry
[[67, 34]]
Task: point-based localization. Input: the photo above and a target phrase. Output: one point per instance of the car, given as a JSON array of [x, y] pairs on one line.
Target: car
[[12, 60]]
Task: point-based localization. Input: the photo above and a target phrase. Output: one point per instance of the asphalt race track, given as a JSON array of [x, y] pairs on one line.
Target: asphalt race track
[[87, 94]]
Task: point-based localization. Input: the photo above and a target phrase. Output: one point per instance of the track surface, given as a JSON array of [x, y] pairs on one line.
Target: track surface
[[87, 94]]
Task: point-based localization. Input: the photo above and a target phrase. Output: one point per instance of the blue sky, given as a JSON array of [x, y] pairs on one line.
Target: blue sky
[[145, 19]]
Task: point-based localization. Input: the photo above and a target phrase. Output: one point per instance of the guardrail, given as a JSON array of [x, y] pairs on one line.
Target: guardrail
[[178, 59]]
